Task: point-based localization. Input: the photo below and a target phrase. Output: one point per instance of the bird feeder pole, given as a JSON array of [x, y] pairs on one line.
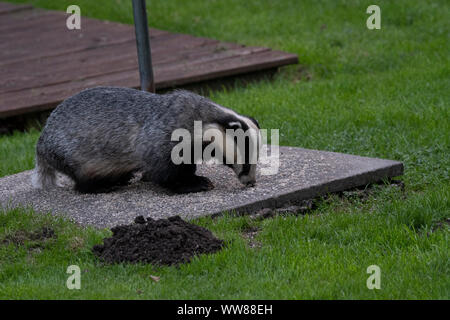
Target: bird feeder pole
[[143, 46]]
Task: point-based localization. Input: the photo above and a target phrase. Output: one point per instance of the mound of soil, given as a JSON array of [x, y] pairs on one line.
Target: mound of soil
[[163, 242]]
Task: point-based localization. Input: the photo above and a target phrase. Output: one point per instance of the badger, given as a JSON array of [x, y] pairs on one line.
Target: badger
[[101, 137]]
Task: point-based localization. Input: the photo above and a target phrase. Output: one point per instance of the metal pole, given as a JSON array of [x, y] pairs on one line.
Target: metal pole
[[143, 46]]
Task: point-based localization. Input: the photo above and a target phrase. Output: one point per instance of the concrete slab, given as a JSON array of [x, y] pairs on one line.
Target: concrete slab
[[303, 174]]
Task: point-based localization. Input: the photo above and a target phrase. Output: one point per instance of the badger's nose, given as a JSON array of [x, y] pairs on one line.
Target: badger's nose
[[247, 180]]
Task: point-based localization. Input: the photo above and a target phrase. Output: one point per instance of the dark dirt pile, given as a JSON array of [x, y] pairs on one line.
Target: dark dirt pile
[[163, 242]]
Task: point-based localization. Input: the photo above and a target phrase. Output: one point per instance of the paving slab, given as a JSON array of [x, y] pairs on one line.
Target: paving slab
[[302, 174]]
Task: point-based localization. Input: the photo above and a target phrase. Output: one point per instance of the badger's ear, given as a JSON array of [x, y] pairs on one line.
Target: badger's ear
[[255, 122]]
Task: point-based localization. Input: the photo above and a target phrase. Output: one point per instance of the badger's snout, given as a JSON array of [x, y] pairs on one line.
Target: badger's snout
[[246, 174], [250, 184], [247, 180]]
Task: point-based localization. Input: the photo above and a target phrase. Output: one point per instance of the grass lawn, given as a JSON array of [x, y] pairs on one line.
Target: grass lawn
[[379, 93]]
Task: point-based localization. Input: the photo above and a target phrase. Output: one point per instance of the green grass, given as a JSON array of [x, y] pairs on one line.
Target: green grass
[[380, 93], [324, 255]]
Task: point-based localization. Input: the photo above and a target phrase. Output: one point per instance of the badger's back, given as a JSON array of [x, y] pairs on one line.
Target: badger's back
[[102, 110], [104, 120]]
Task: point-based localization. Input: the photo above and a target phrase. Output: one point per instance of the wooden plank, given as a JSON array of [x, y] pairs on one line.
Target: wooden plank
[[44, 98], [89, 63], [29, 28], [64, 42], [48, 36], [190, 54], [202, 71], [61, 40], [25, 20], [178, 46], [211, 57], [79, 42], [131, 66], [7, 8], [43, 63]]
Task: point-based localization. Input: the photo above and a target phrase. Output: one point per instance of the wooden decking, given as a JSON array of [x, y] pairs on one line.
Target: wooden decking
[[42, 62]]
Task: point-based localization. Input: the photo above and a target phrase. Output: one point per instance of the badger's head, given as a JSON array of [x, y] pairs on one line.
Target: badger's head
[[240, 145], [245, 138]]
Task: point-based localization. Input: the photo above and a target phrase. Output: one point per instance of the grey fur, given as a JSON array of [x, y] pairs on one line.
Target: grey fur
[[101, 136]]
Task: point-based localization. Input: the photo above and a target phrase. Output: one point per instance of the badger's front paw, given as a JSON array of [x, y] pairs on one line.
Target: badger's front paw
[[204, 184], [194, 184]]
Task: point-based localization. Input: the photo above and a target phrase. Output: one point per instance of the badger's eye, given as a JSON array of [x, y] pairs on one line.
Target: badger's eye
[[234, 125]]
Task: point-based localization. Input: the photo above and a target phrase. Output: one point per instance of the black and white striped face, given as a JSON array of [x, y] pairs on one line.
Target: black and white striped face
[[248, 150], [241, 145]]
